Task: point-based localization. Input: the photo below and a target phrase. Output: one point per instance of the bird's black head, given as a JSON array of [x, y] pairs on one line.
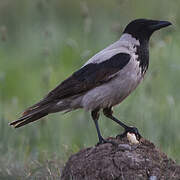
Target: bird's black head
[[142, 29]]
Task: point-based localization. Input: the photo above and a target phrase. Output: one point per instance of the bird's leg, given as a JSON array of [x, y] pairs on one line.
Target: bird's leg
[[108, 113], [95, 116]]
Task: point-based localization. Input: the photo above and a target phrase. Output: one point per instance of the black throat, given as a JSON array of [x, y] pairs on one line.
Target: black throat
[[143, 55]]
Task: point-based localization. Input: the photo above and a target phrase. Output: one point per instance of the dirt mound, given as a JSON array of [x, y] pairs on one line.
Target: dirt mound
[[124, 161]]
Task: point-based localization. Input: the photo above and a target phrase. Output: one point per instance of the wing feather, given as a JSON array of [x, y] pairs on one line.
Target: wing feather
[[88, 77]]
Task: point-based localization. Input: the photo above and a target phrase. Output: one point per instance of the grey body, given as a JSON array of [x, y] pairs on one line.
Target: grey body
[[114, 91]]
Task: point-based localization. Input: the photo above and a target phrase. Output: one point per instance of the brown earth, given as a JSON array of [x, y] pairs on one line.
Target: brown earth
[[122, 162]]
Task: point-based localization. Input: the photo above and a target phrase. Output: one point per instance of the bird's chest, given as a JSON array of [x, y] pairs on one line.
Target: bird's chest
[[132, 72], [128, 79]]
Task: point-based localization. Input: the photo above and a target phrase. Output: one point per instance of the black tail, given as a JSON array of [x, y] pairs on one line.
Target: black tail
[[30, 115]]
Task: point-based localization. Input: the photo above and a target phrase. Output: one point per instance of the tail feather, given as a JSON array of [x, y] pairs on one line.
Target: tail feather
[[23, 122], [40, 110], [30, 115]]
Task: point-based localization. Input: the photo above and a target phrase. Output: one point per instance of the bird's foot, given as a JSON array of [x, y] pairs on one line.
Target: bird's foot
[[103, 141], [133, 130]]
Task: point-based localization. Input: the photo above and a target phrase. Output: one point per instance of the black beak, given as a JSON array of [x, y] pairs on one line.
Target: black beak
[[159, 25]]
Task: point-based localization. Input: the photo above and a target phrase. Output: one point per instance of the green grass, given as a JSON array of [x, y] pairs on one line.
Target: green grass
[[43, 50]]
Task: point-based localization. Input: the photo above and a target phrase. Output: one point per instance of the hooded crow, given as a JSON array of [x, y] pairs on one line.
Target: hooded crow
[[104, 81]]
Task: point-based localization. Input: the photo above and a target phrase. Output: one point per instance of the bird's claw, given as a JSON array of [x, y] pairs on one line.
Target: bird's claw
[[133, 130]]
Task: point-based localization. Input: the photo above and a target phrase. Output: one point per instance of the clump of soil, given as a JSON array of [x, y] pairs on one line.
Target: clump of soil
[[124, 161]]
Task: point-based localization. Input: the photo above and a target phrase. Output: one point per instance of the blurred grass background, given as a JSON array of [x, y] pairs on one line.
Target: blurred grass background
[[43, 41]]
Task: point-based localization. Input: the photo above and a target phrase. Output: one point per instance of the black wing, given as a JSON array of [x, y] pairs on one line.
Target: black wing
[[88, 77]]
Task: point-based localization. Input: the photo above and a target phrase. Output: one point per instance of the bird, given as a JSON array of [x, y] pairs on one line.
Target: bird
[[104, 81]]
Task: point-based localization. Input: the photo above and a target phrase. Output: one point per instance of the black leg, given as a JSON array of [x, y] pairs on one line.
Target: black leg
[[108, 113], [95, 116]]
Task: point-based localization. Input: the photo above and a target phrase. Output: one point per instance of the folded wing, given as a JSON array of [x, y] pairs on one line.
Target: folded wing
[[88, 77]]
